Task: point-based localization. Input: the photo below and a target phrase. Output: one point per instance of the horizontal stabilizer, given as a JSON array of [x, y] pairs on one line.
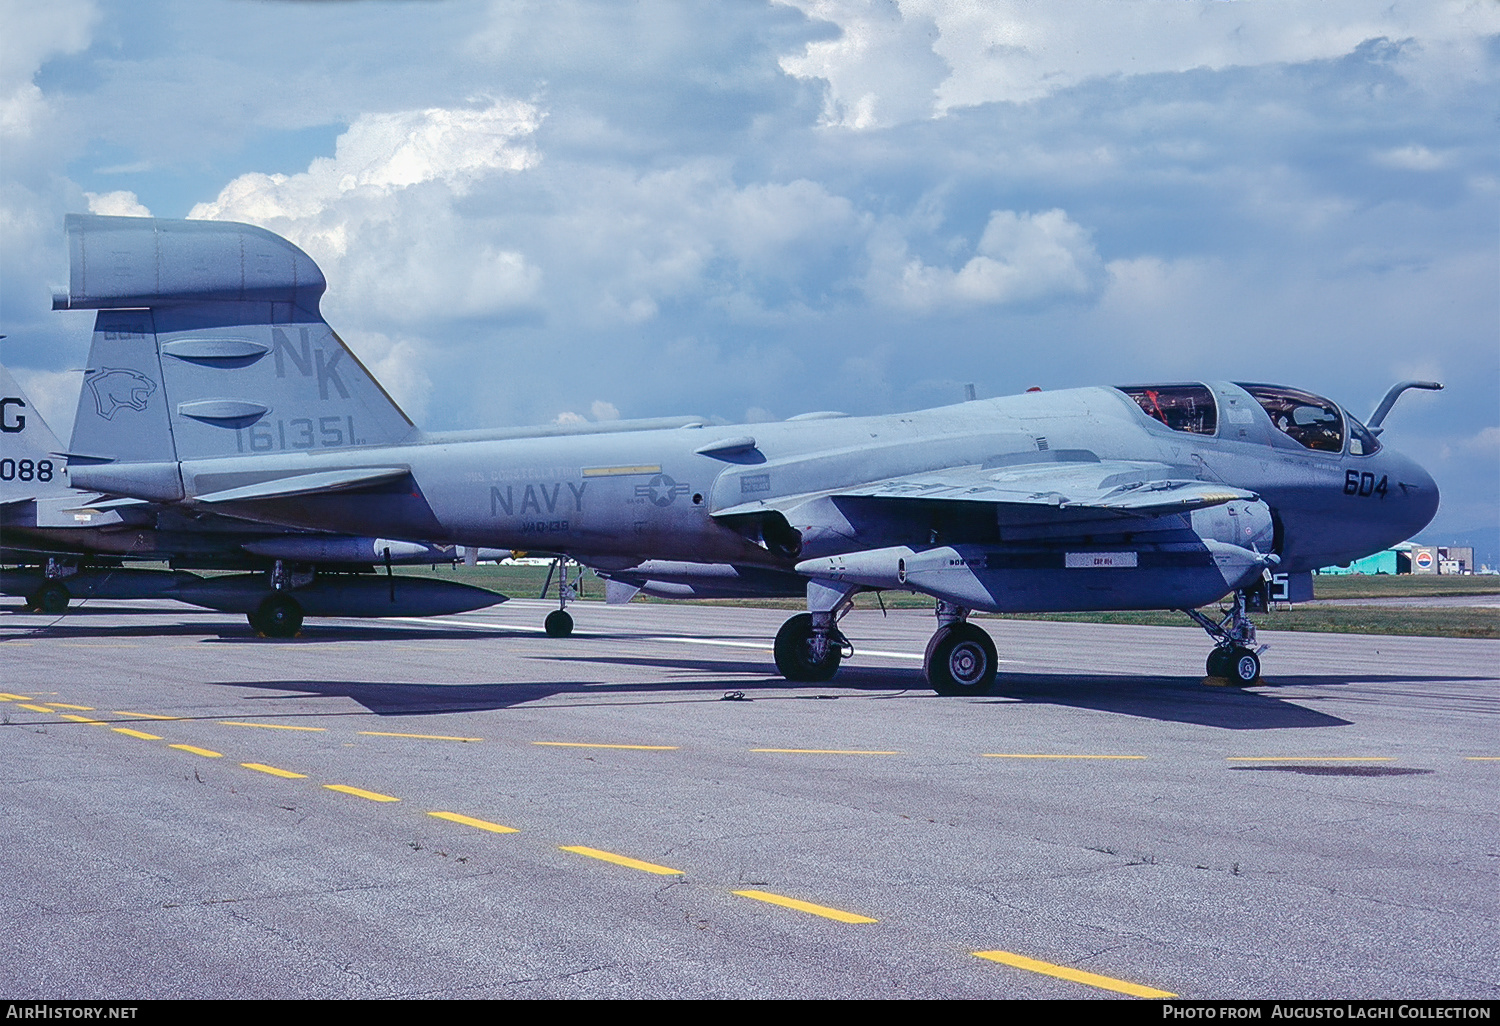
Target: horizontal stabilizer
[[121, 262]]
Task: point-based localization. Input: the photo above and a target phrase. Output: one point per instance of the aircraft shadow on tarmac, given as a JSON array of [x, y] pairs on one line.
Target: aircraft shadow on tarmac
[[1167, 699]]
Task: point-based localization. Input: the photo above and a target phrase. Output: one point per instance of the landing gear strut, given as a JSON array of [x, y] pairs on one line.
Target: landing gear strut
[[961, 658], [1236, 657], [53, 596], [810, 646], [279, 614], [559, 622], [804, 654]]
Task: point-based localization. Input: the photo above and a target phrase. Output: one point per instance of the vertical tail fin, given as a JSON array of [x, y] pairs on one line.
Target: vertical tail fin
[[30, 467], [209, 343]]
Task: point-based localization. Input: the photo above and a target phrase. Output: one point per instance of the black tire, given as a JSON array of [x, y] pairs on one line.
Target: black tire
[[794, 657], [1218, 664], [961, 660], [1244, 667], [279, 616], [559, 624], [52, 599]]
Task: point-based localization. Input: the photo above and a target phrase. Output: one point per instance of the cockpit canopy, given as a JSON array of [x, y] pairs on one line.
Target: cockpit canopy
[[1189, 408], [1309, 420]]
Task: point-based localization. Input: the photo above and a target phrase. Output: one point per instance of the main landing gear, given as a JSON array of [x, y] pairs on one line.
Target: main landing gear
[[1236, 657], [960, 658]]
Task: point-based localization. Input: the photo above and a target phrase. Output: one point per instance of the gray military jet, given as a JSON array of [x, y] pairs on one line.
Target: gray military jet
[[216, 385], [57, 547]]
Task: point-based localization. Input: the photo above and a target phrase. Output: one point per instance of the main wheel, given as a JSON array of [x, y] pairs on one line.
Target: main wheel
[[961, 660], [559, 623], [794, 655], [1218, 663], [1244, 667], [279, 616], [53, 598]]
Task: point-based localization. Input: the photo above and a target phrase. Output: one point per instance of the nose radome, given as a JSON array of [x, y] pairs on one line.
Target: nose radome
[[1419, 491]]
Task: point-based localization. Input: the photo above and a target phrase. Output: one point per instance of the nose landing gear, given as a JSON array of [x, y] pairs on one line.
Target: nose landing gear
[[1236, 657]]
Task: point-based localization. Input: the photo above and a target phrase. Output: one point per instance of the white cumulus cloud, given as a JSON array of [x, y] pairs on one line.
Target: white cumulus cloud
[[120, 203], [879, 70], [1021, 257]]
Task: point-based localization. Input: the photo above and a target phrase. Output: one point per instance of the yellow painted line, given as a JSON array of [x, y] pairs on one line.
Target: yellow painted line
[[1482, 758], [37, 708], [425, 737], [145, 716], [80, 719], [583, 744], [65, 705], [1307, 759], [135, 733], [205, 752], [14, 698], [621, 471], [806, 906], [621, 860], [1006, 755], [478, 824], [269, 726], [820, 751], [359, 792], [1062, 972], [261, 767]]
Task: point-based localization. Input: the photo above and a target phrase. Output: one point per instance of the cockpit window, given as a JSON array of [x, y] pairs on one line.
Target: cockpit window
[[1307, 419], [1189, 408], [1361, 441]]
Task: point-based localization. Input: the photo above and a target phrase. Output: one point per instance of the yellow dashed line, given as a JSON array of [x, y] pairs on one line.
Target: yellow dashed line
[[622, 860], [261, 767], [65, 705], [359, 792], [1076, 975], [36, 708], [145, 716], [81, 719], [583, 744], [206, 753], [820, 751], [1006, 755], [269, 726], [1308, 758], [806, 906], [135, 733], [425, 737], [1482, 758], [478, 824]]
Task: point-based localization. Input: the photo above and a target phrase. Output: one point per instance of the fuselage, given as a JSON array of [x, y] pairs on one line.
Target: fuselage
[[613, 500]]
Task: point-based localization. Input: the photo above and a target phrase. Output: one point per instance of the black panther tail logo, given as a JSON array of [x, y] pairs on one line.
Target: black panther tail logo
[[114, 388]]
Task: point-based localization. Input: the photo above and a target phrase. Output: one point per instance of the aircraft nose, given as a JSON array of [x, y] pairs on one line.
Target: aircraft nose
[[1418, 493]]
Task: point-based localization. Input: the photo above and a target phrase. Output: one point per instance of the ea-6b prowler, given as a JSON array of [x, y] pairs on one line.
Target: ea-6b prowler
[[1168, 496]]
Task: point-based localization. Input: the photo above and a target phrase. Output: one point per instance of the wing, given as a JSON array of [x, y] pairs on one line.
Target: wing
[[1037, 493]]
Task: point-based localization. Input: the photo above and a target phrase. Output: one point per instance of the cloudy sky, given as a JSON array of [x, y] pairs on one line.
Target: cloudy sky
[[756, 209]]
